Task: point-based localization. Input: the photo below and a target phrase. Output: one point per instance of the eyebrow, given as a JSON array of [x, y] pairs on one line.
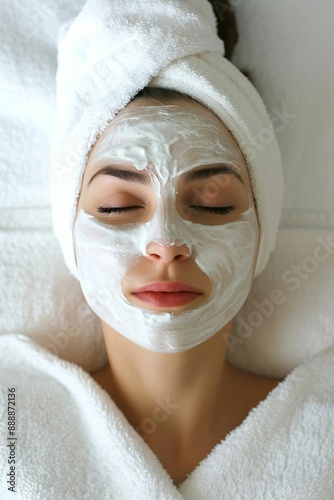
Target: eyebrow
[[124, 175], [131, 176], [205, 173]]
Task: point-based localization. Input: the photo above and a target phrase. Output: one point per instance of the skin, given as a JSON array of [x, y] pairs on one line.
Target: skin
[[209, 397]]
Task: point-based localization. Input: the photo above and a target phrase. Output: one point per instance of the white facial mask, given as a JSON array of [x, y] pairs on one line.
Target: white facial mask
[[105, 253]]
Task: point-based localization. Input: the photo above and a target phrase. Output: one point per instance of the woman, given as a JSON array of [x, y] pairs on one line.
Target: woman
[[165, 214], [182, 360]]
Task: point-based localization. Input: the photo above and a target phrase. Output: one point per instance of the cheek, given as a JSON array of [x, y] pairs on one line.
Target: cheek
[[104, 256], [223, 251]]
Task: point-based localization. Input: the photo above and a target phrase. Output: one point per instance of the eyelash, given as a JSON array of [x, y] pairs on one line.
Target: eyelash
[[116, 210], [200, 208], [214, 210]]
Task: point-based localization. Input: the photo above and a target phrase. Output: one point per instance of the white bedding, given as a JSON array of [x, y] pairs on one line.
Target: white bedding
[[73, 443]]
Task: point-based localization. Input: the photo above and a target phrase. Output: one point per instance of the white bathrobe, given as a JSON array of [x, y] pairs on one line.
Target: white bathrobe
[[74, 443], [287, 47]]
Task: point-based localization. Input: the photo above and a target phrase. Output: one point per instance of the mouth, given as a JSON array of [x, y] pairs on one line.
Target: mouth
[[167, 294]]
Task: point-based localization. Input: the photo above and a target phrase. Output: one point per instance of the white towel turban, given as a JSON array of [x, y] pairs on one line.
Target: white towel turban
[[111, 51]]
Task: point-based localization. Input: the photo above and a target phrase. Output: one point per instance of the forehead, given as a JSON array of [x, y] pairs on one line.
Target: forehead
[[167, 138]]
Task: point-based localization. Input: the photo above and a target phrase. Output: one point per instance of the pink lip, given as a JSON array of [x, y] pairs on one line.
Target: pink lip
[[166, 286], [165, 294]]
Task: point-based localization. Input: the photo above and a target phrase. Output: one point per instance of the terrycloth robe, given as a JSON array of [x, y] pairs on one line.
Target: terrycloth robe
[[73, 443]]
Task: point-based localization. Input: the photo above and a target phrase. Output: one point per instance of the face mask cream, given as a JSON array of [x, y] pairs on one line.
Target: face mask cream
[[167, 143]]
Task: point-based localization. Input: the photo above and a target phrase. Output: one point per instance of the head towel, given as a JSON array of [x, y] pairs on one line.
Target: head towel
[[111, 51]]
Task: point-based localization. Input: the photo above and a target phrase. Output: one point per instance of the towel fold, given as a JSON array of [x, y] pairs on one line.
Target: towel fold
[[74, 443]]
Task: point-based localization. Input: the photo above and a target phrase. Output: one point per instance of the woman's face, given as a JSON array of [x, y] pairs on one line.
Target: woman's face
[[176, 171]]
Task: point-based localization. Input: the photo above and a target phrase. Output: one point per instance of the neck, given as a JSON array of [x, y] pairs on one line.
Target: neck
[[175, 396]]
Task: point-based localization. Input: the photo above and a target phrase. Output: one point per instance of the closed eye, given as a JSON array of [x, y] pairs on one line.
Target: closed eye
[[116, 210], [199, 208], [213, 210]]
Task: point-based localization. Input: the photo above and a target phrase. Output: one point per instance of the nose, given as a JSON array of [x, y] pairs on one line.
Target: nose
[[167, 253]]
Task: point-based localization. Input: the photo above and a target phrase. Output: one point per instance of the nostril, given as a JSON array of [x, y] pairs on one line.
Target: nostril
[[168, 253], [180, 257], [154, 256]]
